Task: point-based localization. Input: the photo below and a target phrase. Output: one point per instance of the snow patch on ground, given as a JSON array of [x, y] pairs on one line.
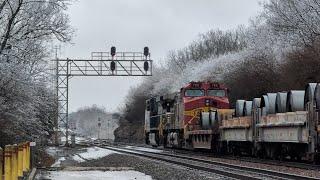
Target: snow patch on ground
[[144, 149], [63, 139], [53, 151], [77, 158], [97, 175], [58, 162], [93, 153], [80, 139]]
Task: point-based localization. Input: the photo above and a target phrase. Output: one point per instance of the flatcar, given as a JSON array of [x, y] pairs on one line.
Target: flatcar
[[276, 125]]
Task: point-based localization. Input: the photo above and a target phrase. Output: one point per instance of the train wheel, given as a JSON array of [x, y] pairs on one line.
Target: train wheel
[[235, 151], [298, 157], [253, 152], [281, 156], [316, 159], [147, 138], [262, 154], [223, 149]]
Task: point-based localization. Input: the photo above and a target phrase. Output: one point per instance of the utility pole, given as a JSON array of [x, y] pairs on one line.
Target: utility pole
[[56, 120], [108, 129], [99, 127], [56, 123]]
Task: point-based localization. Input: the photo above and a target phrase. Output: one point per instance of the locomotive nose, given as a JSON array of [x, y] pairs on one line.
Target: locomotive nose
[[210, 102]]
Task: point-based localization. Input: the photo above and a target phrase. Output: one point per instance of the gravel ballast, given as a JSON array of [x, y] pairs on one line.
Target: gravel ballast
[[279, 168], [158, 170]]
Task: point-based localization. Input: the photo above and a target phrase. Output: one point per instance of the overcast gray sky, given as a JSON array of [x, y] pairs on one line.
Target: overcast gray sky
[[130, 25]]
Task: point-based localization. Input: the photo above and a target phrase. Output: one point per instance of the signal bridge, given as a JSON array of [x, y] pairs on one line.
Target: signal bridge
[[101, 64]]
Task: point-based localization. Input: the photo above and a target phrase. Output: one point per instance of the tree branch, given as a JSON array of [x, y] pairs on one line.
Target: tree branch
[[9, 27], [2, 5]]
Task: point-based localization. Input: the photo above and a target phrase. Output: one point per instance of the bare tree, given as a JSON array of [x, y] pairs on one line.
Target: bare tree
[[209, 45], [294, 21], [27, 25], [26, 28]]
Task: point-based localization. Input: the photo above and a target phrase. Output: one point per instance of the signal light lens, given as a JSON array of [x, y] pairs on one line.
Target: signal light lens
[[146, 51], [146, 66], [113, 51], [112, 65]]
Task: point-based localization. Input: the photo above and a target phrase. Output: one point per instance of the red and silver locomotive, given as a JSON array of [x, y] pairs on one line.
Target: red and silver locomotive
[[188, 119]]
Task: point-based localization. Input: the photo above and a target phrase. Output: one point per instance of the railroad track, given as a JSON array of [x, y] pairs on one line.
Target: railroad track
[[291, 164], [285, 163], [221, 168], [204, 154]]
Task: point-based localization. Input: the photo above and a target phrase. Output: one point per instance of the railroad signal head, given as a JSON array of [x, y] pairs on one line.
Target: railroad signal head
[[113, 51], [112, 65], [146, 65], [146, 51]]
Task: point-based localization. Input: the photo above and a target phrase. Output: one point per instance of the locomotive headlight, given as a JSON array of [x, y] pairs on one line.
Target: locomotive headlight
[[207, 102]]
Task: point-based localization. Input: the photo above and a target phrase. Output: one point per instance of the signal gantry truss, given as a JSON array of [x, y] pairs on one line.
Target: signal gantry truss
[[100, 64]]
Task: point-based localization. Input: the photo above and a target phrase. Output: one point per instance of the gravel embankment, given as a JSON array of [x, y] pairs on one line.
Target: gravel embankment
[[158, 170]]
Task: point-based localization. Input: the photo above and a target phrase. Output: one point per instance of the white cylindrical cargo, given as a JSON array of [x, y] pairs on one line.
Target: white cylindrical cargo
[[264, 105], [256, 102], [272, 103], [281, 102], [247, 108], [239, 107], [309, 93], [317, 96], [295, 101]]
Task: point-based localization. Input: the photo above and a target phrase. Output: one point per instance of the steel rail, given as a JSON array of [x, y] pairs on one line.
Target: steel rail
[[247, 168], [289, 164], [181, 163], [236, 168], [205, 154]]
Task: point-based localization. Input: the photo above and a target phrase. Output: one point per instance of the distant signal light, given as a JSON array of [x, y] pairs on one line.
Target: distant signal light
[[146, 51], [113, 51], [112, 65], [146, 66]]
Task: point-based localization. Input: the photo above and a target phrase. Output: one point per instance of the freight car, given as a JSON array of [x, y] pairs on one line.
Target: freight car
[[276, 125]]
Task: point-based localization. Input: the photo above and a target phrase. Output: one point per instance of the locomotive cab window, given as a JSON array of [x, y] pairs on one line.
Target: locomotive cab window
[[194, 92], [217, 92]]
